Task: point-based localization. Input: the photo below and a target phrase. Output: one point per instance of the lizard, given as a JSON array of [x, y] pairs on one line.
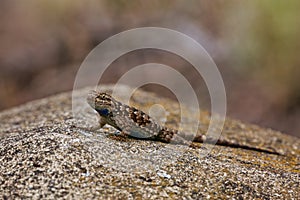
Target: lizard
[[135, 123]]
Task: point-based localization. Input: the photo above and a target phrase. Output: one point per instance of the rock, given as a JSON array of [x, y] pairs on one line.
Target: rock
[[47, 152]]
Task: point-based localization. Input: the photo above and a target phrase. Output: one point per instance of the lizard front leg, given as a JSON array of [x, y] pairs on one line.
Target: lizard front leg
[[101, 123]]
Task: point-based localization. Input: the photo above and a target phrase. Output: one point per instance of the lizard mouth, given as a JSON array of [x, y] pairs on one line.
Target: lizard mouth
[[91, 98]]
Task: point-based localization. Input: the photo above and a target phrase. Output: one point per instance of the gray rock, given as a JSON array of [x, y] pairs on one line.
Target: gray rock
[[47, 152]]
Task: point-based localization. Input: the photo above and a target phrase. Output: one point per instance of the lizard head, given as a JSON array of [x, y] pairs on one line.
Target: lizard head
[[102, 102]]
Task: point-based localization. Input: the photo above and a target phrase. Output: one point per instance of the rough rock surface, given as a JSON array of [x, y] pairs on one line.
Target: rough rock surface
[[47, 152]]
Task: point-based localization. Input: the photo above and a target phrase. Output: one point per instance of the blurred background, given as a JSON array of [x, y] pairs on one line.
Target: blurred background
[[255, 45]]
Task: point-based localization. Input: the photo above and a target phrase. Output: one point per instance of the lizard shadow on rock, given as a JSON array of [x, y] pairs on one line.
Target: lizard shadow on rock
[[194, 145]]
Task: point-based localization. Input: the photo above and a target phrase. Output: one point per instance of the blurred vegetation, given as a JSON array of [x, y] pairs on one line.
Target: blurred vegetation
[[271, 44], [254, 43]]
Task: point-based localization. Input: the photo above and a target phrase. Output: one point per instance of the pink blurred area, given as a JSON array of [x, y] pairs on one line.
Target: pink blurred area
[[254, 44]]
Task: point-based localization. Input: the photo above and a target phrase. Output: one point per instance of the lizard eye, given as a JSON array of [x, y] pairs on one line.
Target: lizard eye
[[103, 112]]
